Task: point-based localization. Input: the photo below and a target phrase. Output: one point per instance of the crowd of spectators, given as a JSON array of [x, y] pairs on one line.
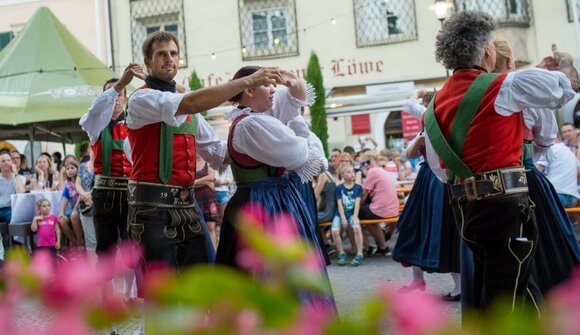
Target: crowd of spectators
[[377, 176]]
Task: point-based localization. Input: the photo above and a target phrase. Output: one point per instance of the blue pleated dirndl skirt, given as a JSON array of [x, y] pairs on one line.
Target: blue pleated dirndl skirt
[[307, 194], [428, 237], [557, 252], [275, 195]]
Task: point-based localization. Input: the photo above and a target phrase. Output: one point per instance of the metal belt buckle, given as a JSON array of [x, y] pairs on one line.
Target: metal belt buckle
[[470, 194]]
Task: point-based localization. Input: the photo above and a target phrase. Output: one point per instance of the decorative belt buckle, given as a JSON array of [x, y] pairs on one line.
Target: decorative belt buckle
[[470, 194]]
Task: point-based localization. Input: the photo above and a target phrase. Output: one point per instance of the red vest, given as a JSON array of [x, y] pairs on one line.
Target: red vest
[[145, 153], [493, 141], [120, 166]]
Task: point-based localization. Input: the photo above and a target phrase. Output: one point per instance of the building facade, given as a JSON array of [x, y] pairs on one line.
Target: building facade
[[373, 53]]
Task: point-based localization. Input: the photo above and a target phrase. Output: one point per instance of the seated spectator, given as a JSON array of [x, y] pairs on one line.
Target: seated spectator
[[324, 192], [57, 160], [10, 183], [346, 159], [17, 161], [348, 196], [558, 163], [62, 171], [334, 162], [379, 199], [569, 136], [24, 165], [44, 178], [68, 213]]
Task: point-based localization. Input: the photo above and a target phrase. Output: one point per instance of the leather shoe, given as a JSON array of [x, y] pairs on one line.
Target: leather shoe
[[449, 297]]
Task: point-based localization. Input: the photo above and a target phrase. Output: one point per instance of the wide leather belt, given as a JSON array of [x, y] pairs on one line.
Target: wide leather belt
[[160, 195], [111, 183], [491, 184]]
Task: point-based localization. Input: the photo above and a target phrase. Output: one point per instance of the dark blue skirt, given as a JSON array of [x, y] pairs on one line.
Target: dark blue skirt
[[558, 252], [275, 195], [428, 237], [307, 193]]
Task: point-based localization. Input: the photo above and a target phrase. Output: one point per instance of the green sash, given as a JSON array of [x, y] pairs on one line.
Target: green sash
[[452, 151], [166, 145], [107, 146]]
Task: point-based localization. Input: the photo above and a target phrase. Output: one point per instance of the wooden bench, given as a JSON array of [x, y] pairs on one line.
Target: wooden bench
[[571, 210], [392, 220]]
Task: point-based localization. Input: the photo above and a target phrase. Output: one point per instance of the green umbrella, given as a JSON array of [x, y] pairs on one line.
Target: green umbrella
[[46, 74]]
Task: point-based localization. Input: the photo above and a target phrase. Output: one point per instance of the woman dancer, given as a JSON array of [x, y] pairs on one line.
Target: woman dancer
[[428, 238], [259, 172]]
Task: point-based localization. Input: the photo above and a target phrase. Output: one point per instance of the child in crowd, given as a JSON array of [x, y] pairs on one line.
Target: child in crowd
[[70, 197], [348, 198], [46, 227], [224, 182]]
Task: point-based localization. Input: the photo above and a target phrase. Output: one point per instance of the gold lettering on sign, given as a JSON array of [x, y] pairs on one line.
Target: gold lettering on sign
[[339, 67]]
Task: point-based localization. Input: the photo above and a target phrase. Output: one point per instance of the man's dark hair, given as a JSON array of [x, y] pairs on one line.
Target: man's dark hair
[[158, 36], [15, 150], [110, 81], [241, 73], [349, 149], [58, 155], [568, 124], [337, 150]]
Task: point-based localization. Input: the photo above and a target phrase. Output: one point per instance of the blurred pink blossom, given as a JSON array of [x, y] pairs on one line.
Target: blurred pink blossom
[[250, 260], [414, 313], [313, 320], [564, 303]]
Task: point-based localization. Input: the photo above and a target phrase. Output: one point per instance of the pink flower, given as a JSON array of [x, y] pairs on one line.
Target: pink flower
[[414, 313], [247, 322], [312, 320], [250, 260], [283, 230], [564, 304]]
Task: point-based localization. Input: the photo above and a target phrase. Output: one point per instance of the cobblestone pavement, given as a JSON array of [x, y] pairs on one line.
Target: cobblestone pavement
[[351, 286]]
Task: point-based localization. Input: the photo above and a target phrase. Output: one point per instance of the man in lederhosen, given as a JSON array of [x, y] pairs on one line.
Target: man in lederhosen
[[164, 139], [474, 138]]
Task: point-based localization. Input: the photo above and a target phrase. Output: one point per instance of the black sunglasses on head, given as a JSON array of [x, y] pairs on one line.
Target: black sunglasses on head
[[365, 163]]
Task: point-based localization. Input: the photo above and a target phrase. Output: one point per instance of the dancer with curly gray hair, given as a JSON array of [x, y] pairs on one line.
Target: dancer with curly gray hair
[[474, 128]]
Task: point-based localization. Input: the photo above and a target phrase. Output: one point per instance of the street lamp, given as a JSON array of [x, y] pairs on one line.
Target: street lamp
[[441, 9]]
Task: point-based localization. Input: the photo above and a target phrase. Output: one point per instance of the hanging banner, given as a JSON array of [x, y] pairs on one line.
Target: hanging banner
[[361, 124], [410, 125]]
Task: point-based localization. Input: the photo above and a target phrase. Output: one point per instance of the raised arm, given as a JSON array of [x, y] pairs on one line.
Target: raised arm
[[210, 97]]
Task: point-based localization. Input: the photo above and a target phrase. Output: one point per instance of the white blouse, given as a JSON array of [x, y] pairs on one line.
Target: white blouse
[[532, 88], [267, 140], [147, 106], [99, 114]]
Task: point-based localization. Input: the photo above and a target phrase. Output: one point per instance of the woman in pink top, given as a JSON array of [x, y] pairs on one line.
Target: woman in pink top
[[380, 189], [46, 227]]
